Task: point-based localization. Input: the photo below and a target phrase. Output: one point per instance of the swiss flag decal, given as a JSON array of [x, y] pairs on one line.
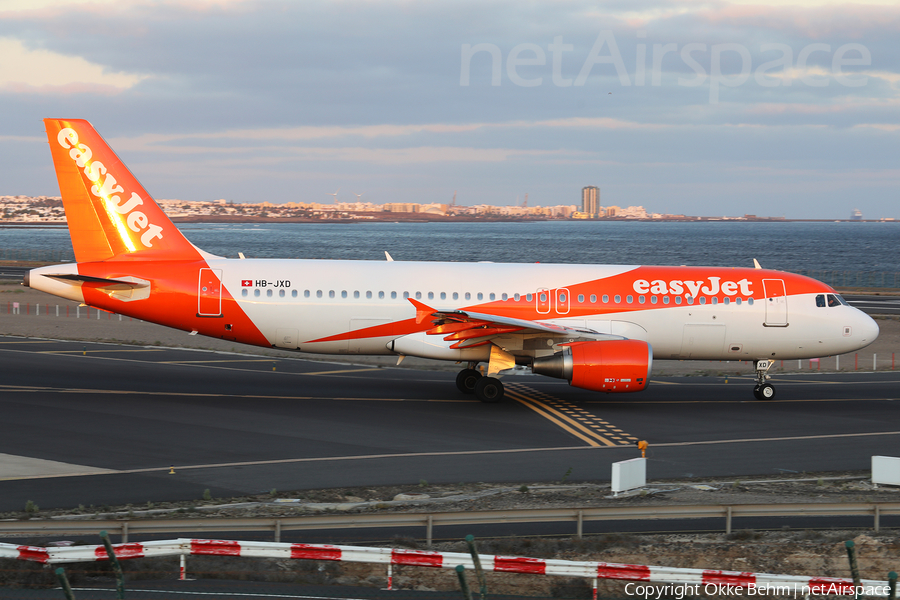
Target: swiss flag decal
[[246, 282]]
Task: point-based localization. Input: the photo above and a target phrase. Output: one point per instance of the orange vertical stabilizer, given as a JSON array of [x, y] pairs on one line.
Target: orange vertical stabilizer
[[110, 215]]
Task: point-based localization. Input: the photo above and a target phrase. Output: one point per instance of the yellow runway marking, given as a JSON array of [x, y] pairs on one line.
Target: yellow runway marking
[[339, 371], [527, 403], [20, 388], [203, 362], [96, 351], [574, 419]]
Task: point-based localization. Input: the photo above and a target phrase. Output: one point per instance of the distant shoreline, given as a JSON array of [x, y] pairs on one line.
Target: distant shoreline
[[401, 218]]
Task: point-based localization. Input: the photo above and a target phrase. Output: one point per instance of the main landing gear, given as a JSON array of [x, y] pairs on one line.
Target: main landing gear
[[486, 389], [763, 390]]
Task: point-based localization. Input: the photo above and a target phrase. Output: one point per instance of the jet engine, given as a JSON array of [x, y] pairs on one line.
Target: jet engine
[[613, 366]]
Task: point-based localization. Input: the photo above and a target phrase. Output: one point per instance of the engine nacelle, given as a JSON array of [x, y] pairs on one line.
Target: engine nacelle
[[615, 366]]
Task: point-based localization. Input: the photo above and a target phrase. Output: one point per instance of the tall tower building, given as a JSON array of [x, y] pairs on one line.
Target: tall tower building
[[590, 201]]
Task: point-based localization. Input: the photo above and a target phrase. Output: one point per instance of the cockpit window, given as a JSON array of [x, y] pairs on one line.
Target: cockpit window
[[841, 300], [820, 300], [833, 301]]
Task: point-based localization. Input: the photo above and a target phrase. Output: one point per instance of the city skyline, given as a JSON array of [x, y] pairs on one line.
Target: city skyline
[[706, 109]]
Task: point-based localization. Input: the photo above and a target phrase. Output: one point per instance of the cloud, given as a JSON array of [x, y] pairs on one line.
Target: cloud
[[42, 71]]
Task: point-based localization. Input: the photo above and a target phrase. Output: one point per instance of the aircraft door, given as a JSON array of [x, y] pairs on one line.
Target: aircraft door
[[776, 302], [209, 293], [542, 297], [562, 301]]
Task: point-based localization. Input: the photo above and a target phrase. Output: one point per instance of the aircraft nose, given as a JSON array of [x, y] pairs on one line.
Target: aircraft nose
[[866, 328]]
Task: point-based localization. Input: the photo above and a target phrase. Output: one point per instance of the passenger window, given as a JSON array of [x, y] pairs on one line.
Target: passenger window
[[356, 293], [331, 293], [456, 295], [641, 299], [406, 294], [629, 299], [750, 301], [517, 297], [393, 295], [652, 299], [820, 300], [443, 295], [593, 298], [306, 293], [418, 295], [737, 301], [504, 297], [543, 297], [492, 296], [480, 296], [665, 299], [713, 300], [690, 299], [581, 298], [380, 295], [281, 293], [528, 297], [468, 295], [343, 293], [256, 293], [605, 298], [318, 293], [368, 294], [677, 299], [726, 300], [269, 293], [618, 299], [244, 292], [702, 299]]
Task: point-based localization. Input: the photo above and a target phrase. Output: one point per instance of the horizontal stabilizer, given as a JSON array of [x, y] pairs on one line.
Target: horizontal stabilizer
[[124, 283]]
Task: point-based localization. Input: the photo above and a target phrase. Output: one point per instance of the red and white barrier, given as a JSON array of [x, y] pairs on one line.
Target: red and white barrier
[[449, 560]]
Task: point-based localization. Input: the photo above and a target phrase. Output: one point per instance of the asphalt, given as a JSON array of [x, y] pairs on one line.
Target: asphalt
[[242, 424]]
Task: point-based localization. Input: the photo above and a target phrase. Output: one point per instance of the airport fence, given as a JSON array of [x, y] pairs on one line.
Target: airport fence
[[49, 255], [709, 582]]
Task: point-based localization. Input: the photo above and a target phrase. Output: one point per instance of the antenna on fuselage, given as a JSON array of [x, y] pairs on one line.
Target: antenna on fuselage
[[756, 264], [388, 256]]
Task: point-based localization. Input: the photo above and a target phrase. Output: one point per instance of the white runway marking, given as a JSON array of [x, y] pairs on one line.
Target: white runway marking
[[19, 467]]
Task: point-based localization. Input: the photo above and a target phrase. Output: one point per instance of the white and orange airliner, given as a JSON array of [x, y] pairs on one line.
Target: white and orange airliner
[[597, 326]]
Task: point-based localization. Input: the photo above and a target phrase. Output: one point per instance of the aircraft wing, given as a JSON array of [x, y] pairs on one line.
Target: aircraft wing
[[473, 328]]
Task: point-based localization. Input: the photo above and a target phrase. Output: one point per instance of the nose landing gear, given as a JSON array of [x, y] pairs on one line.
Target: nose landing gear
[[763, 390]]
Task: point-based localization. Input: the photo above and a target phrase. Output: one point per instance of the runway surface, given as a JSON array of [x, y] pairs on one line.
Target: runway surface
[[102, 424]]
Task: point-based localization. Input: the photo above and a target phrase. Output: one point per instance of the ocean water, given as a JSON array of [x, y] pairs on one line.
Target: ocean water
[[789, 246]]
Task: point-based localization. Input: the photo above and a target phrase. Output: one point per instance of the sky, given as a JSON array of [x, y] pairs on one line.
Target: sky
[[714, 108]]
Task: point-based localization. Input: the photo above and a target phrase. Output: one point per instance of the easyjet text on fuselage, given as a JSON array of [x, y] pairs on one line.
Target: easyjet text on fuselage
[[711, 286]]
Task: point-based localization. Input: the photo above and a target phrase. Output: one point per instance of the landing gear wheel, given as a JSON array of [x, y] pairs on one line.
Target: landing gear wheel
[[466, 380], [763, 390], [489, 389], [766, 391]]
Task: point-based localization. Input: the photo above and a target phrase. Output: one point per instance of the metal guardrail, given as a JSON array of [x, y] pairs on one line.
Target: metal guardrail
[[578, 516]]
